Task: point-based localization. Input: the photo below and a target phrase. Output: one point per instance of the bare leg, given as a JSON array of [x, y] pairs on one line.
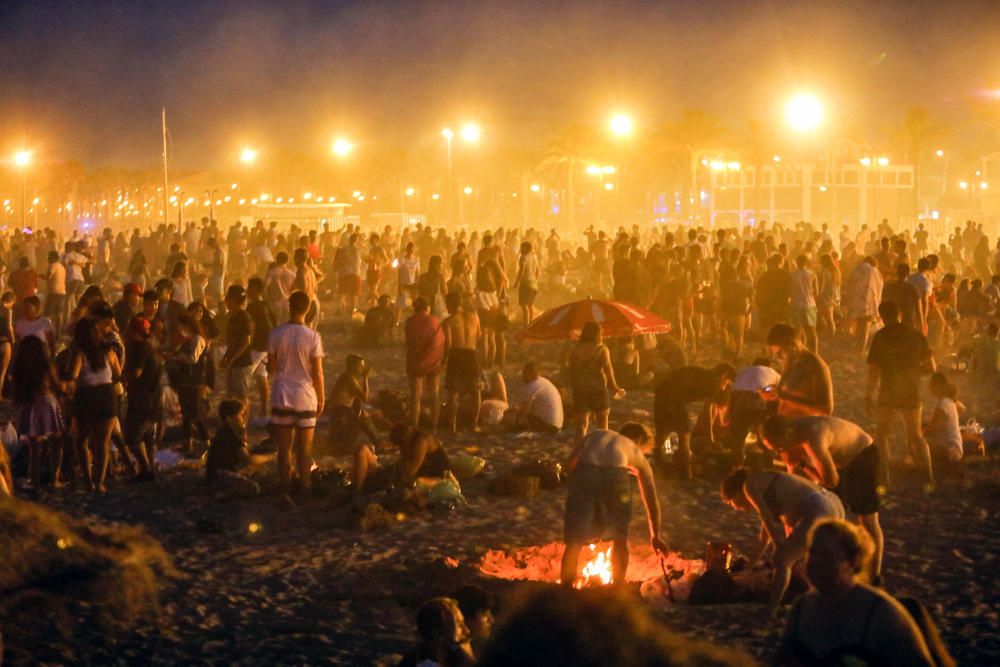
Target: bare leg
[[83, 457], [619, 561], [883, 421], [416, 395], [435, 398], [452, 411], [871, 525], [582, 424], [364, 462], [100, 440], [601, 419], [570, 561], [918, 444], [264, 391], [284, 435], [683, 456], [303, 457], [477, 396], [4, 363]]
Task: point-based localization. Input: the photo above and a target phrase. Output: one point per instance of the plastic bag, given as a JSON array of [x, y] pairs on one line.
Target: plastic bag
[[447, 490], [171, 407], [466, 466], [491, 412]]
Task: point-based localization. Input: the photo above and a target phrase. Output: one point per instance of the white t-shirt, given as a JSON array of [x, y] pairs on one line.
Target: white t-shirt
[[38, 328], [950, 435], [544, 401], [529, 268], [293, 347], [755, 378], [74, 262], [803, 288], [56, 280], [409, 269]]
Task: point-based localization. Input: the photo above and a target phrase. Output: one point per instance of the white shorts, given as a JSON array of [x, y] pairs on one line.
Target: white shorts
[[259, 363]]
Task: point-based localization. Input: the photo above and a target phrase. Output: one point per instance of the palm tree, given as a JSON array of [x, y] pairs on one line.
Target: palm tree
[[569, 147], [914, 135], [697, 134]]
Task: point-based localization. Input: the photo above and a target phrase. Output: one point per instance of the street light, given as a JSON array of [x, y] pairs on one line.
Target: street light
[[621, 125], [471, 132], [341, 147], [22, 159], [248, 155], [804, 112]]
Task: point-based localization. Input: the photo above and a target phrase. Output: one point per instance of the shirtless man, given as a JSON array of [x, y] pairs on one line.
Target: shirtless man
[[599, 499], [838, 455], [461, 338], [376, 259], [806, 386], [600, 252], [347, 398]]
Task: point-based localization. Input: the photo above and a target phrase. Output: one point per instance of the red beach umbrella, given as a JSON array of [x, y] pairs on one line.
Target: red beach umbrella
[[616, 319]]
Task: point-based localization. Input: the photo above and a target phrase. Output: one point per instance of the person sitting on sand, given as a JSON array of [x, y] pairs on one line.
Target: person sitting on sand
[[462, 375], [599, 497], [687, 384], [228, 454], [350, 392], [806, 386], [788, 506], [443, 637], [843, 620], [380, 320], [420, 455], [838, 455], [944, 433], [540, 406]]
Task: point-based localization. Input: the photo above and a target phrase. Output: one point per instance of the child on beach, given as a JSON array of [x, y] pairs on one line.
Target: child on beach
[[228, 454]]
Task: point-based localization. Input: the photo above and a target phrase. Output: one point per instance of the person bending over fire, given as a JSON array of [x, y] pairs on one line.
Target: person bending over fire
[[599, 498]]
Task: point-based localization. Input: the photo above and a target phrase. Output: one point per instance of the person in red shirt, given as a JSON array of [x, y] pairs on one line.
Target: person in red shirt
[[23, 282]]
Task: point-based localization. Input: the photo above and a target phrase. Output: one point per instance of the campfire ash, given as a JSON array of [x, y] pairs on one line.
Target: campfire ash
[[541, 563]]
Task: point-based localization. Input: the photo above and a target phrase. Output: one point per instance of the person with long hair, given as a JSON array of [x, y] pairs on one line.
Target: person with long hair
[[592, 378], [41, 419], [182, 284], [829, 293], [94, 370], [6, 335]]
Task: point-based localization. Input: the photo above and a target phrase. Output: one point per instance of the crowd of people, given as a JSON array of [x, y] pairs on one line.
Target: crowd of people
[[107, 338]]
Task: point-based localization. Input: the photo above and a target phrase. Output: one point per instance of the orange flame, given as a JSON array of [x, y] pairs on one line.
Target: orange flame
[[597, 571]]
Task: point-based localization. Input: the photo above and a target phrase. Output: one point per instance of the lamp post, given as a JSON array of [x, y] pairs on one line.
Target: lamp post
[[22, 159], [470, 134], [211, 205]]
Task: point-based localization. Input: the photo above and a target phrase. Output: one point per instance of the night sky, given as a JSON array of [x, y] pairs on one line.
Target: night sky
[[86, 80]]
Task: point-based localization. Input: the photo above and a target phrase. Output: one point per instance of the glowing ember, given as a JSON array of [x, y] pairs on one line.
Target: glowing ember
[[597, 571]]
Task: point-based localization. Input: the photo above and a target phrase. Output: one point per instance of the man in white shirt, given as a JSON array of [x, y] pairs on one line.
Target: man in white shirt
[[540, 406], [295, 362], [805, 287], [74, 263]]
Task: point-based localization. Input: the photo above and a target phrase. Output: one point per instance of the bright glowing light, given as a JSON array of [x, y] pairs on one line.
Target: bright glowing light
[[233, 186], [265, 197], [356, 194], [609, 186], [447, 133], [22, 158], [410, 192], [471, 132], [227, 199], [597, 570], [435, 196], [593, 169], [253, 528], [984, 185], [804, 112], [248, 155], [242, 202], [307, 196], [717, 165], [822, 188], [279, 200], [963, 185], [866, 161], [341, 147], [173, 198], [467, 190], [361, 198], [608, 169], [777, 158], [883, 162], [621, 125], [254, 200], [535, 187], [733, 166], [939, 153], [319, 199]]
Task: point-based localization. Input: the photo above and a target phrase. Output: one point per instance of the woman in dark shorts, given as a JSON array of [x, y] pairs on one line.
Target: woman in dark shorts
[[591, 376], [94, 369], [420, 455]]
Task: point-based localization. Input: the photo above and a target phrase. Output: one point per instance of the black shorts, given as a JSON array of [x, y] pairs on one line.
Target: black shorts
[[591, 399], [462, 371], [858, 487], [526, 295], [95, 404], [598, 504]]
